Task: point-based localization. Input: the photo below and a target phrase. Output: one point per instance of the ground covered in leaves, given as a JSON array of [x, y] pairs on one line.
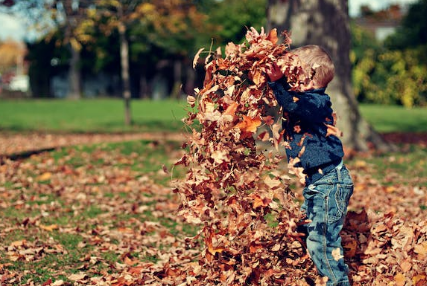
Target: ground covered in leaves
[[105, 214]]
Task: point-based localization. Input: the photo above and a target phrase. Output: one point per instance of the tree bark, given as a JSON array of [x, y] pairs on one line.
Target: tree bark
[[124, 62], [177, 76], [74, 75], [326, 23]]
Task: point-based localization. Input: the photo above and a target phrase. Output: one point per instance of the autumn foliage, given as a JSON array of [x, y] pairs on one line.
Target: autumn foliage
[[239, 195], [234, 191]]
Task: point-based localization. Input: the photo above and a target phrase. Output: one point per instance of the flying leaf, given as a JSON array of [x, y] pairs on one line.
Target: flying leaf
[[249, 124], [196, 57]]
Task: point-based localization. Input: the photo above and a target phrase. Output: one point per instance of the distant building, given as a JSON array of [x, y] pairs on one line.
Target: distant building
[[381, 23]]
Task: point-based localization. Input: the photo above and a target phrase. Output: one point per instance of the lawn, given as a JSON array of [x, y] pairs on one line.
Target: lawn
[[390, 118], [107, 115], [106, 214], [97, 115]]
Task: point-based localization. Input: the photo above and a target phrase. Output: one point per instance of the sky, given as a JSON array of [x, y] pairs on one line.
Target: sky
[[12, 27]]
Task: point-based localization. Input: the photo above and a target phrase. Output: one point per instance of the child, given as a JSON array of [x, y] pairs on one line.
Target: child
[[316, 154]]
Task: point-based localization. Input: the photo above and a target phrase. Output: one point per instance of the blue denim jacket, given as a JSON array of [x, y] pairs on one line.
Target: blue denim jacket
[[308, 115]]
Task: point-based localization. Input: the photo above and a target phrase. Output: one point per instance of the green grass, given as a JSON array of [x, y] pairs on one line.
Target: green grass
[[107, 115], [97, 115], [145, 158], [77, 221], [387, 118], [408, 166]]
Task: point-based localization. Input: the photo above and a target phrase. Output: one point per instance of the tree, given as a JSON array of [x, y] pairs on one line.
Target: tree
[[413, 30], [326, 23], [11, 56], [233, 18], [145, 28], [51, 16], [72, 13]]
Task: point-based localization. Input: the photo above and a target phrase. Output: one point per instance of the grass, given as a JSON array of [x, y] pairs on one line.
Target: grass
[[107, 115], [105, 173], [80, 228], [389, 118], [94, 115], [76, 228], [409, 166]]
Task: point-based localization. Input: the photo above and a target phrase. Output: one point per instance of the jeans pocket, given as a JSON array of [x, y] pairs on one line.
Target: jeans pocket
[[338, 202]]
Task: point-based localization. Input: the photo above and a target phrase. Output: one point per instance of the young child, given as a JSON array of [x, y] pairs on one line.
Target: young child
[[316, 154]]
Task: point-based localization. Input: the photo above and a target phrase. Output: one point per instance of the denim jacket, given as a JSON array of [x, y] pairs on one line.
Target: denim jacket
[[307, 117]]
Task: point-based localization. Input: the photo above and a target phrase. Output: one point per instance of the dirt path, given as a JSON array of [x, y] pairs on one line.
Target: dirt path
[[31, 142]]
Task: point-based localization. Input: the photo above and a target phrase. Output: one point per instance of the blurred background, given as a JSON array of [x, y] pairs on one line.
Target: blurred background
[[60, 49], [136, 49]]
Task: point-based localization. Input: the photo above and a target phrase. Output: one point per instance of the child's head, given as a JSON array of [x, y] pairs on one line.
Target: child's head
[[315, 57]]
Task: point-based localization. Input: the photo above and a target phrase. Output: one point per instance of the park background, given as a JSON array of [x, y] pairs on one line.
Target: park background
[[91, 104]]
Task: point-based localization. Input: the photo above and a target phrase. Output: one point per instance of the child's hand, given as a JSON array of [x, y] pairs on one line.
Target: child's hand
[[273, 72]]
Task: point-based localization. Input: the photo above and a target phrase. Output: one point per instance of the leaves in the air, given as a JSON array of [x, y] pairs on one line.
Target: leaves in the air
[[237, 195], [234, 191]]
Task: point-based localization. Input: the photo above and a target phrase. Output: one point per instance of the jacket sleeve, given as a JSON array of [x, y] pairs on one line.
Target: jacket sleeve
[[308, 106]]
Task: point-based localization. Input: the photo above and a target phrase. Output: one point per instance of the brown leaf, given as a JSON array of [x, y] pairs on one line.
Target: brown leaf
[[77, 276]]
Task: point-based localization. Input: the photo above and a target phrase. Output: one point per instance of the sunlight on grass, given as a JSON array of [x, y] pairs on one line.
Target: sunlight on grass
[[90, 115], [107, 115], [386, 118]]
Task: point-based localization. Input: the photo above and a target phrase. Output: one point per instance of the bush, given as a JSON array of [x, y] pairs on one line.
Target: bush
[[388, 76]]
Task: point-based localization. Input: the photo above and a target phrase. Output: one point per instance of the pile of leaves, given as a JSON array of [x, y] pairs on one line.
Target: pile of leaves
[[235, 192], [385, 250]]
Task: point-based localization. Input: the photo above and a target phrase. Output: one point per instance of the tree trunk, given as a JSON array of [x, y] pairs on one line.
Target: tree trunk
[[74, 75], [190, 82], [143, 87], [326, 23], [177, 76], [124, 62]]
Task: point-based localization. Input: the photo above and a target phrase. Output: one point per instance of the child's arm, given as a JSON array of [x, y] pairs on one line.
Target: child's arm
[[310, 106]]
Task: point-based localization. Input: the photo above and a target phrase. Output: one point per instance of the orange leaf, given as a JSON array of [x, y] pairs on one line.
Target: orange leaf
[[399, 278], [259, 202], [231, 109], [272, 36], [421, 250], [333, 130], [249, 124], [77, 276], [44, 177], [419, 278], [49, 227], [257, 76]]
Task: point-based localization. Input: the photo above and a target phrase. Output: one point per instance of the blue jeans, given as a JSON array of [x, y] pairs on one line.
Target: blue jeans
[[325, 205]]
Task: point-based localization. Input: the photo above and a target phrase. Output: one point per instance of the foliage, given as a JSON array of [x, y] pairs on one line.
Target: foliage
[[235, 192], [388, 76], [233, 17], [170, 26], [87, 213], [11, 53], [105, 215], [413, 30], [232, 190]]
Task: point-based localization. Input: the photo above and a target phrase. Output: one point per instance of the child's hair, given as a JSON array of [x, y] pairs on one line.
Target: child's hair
[[315, 57]]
